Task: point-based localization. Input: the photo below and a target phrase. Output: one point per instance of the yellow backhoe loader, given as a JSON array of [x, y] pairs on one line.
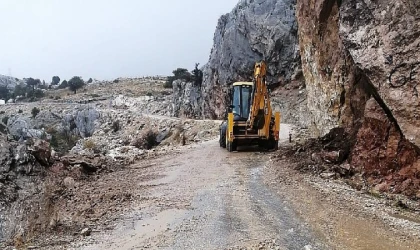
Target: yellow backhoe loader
[[250, 118]]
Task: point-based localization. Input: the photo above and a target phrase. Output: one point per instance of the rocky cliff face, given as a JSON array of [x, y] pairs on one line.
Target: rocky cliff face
[[360, 62], [186, 100], [254, 30]]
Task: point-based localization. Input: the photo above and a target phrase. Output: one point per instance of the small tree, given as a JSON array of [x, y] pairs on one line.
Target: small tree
[[64, 84], [31, 82], [90, 80], [197, 75], [76, 83], [20, 90], [178, 74], [35, 111], [55, 80], [183, 74]]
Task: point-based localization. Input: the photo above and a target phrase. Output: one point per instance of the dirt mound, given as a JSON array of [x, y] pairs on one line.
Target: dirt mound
[[378, 163], [322, 155]]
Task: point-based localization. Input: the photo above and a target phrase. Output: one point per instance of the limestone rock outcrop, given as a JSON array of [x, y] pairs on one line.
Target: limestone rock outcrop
[[186, 99], [9, 82], [253, 31], [360, 62]]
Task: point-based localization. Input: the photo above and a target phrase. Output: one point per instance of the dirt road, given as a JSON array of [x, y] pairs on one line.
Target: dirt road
[[207, 198]]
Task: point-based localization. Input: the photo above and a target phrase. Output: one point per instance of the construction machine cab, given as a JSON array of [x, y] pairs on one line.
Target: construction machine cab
[[241, 99]]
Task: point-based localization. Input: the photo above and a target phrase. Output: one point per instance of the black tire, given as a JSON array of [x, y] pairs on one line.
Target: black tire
[[234, 145], [222, 140], [229, 147], [262, 143]]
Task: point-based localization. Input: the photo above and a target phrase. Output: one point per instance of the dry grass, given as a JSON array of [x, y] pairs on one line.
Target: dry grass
[[89, 144]]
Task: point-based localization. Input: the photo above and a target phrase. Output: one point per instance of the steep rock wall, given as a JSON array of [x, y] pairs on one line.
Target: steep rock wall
[[383, 38], [254, 30], [359, 62]]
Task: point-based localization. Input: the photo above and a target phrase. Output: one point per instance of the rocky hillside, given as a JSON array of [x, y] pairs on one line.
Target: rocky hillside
[[76, 137], [9, 82]]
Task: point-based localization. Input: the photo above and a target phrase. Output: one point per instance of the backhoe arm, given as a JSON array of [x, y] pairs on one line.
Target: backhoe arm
[[260, 109]]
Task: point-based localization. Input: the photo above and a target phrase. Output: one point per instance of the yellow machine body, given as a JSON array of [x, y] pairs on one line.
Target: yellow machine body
[[251, 120]]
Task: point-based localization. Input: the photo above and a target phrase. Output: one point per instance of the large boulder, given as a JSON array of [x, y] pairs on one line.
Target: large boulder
[[21, 128], [41, 150], [85, 121], [82, 121]]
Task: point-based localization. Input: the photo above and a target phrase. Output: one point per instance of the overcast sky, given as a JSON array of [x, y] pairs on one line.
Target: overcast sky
[[105, 39]]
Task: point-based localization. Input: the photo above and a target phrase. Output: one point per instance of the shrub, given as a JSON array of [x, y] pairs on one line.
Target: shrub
[[90, 80], [20, 111], [89, 144], [178, 74], [64, 84], [116, 126], [36, 94], [20, 90], [146, 140], [4, 93], [5, 119], [61, 141], [35, 111]]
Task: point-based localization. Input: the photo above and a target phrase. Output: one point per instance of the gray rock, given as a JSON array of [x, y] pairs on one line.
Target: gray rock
[[17, 126], [253, 31], [82, 122], [186, 99], [9, 82], [86, 231], [85, 121], [69, 182]]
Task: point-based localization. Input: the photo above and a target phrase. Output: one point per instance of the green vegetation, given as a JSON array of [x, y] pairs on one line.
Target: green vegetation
[[183, 74], [55, 80], [76, 83], [5, 93], [31, 82], [64, 84], [35, 111]]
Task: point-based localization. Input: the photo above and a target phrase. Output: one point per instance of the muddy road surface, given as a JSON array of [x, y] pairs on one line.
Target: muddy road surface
[[207, 198]]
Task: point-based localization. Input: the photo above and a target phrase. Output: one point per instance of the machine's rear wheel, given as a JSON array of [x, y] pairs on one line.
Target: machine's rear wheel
[[222, 139], [229, 147]]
